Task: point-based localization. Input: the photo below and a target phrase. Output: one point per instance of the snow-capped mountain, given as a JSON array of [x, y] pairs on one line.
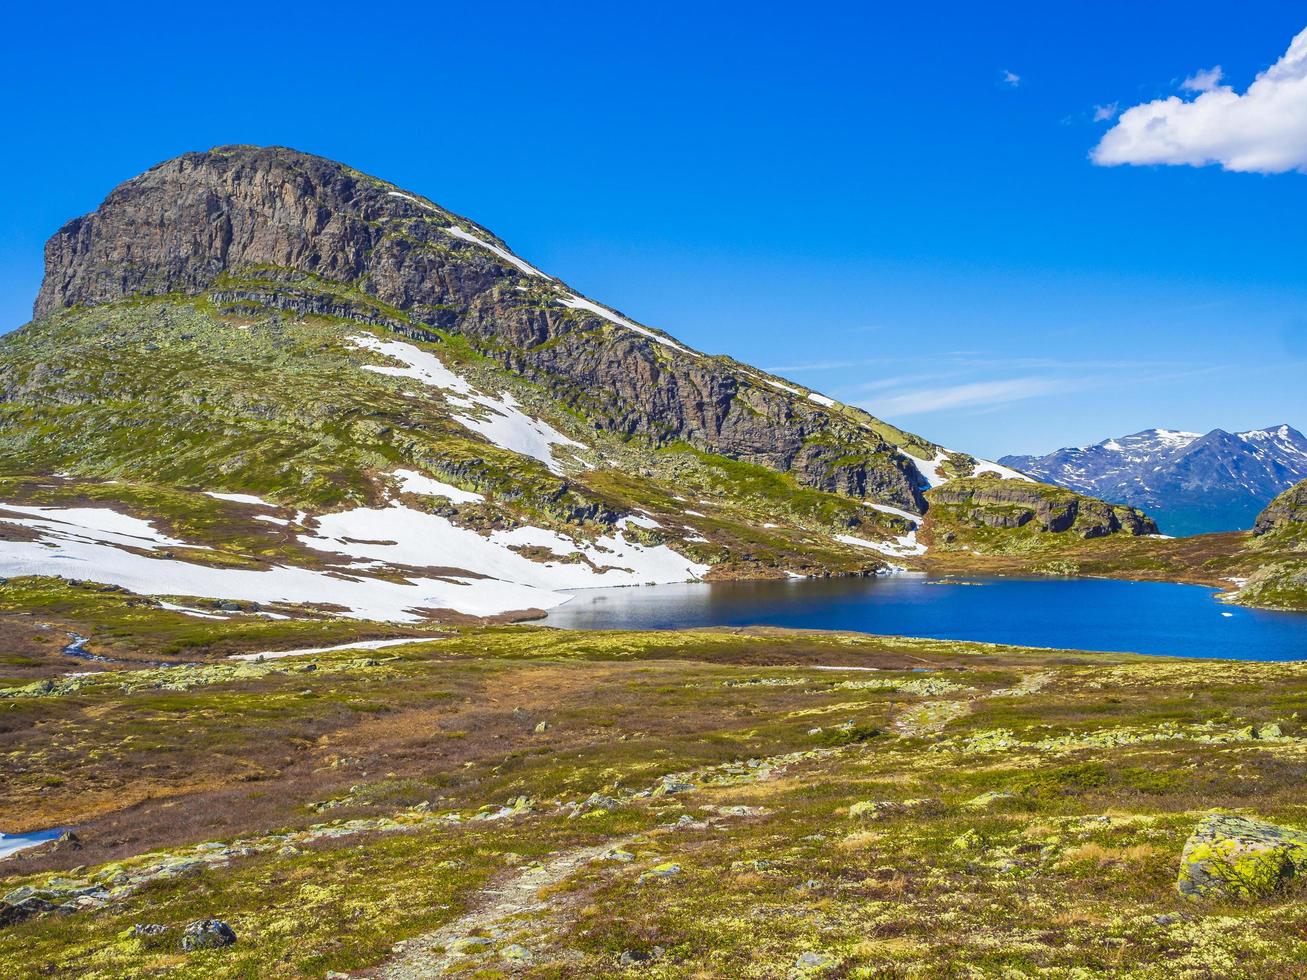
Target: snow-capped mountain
[[1190, 482]]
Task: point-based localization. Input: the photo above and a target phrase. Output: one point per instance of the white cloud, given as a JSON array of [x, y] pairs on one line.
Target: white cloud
[[1264, 130], [1102, 113], [1203, 80], [1011, 78], [970, 395]]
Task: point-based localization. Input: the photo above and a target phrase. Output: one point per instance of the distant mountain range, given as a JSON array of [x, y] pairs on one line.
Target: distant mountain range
[[1191, 483]]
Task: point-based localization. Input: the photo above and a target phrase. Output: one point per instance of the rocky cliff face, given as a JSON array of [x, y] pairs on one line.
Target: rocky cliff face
[[276, 227], [985, 502]]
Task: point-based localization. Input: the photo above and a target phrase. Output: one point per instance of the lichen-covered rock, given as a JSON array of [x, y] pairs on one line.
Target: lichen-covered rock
[[670, 785], [207, 934], [636, 957], [26, 908], [661, 872], [515, 807], [878, 809], [811, 962], [516, 953], [1236, 857]]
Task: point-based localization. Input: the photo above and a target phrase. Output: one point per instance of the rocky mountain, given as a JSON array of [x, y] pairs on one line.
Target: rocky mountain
[[984, 502], [1192, 483], [263, 376]]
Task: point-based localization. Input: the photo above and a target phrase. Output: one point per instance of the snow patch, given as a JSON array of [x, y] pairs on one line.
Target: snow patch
[[501, 420], [357, 645], [68, 549], [398, 535], [411, 481], [239, 498], [504, 254], [929, 468], [1005, 472], [901, 547], [187, 610], [777, 384], [93, 523], [639, 521], [574, 302]]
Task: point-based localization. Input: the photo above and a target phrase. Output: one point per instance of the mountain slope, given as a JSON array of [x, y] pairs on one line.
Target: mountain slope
[[299, 385], [1279, 545], [1192, 483], [276, 228]]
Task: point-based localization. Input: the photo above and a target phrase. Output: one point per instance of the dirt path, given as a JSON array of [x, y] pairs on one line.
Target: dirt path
[[510, 909]]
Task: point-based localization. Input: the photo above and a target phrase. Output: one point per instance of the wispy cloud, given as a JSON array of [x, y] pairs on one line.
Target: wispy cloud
[[1102, 113], [827, 365], [1010, 78], [904, 381], [920, 394], [1264, 130], [973, 394]]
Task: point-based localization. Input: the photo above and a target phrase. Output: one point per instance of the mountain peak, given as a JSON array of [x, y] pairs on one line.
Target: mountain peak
[[1282, 432], [1147, 440], [182, 223]]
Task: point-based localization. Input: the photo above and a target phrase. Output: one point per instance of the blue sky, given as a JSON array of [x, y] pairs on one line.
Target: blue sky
[[897, 208]]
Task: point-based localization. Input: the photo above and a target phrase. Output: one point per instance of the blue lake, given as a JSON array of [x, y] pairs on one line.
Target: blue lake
[[1076, 614], [13, 843]]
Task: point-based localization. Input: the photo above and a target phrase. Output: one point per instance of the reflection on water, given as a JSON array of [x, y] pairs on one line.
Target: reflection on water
[[1079, 614]]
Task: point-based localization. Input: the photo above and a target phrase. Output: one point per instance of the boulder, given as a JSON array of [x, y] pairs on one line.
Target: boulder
[[26, 908], [207, 934], [635, 957], [1237, 857], [811, 962], [660, 872]]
